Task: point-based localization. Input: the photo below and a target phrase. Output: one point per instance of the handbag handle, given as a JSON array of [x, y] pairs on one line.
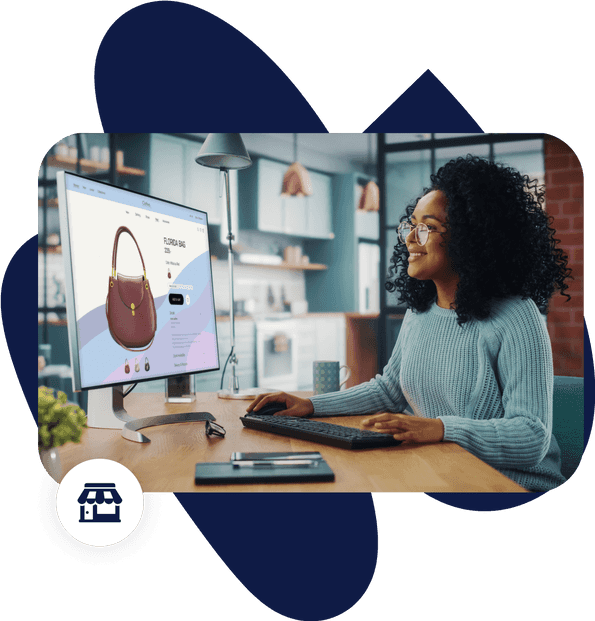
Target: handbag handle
[[121, 230]]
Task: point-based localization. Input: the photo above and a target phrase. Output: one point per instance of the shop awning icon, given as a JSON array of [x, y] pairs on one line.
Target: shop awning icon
[[100, 502]]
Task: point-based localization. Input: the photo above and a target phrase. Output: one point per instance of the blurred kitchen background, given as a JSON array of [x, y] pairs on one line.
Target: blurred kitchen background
[[309, 270]]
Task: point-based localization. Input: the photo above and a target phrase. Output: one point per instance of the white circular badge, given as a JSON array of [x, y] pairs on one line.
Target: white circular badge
[[100, 502]]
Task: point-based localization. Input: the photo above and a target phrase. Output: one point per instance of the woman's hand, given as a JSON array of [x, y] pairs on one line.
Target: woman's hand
[[407, 428], [296, 406]]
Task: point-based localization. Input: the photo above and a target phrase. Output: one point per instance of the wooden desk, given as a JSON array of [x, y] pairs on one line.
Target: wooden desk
[[167, 463]]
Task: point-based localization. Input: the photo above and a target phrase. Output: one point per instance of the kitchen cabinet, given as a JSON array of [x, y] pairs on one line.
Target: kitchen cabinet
[[175, 176], [264, 209], [307, 353], [319, 207], [330, 338]]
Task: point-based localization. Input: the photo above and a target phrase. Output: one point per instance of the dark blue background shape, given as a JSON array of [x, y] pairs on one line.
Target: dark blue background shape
[[305, 555], [426, 106], [186, 70]]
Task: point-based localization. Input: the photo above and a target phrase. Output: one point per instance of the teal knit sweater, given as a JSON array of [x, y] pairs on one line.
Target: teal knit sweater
[[490, 382]]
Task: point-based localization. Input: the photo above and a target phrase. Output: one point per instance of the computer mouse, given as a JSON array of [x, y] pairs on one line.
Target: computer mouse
[[271, 408]]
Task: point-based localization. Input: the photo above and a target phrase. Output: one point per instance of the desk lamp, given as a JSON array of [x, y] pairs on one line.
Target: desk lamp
[[227, 152]]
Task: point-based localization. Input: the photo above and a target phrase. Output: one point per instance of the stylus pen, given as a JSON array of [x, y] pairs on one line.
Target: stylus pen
[[237, 457], [269, 462]]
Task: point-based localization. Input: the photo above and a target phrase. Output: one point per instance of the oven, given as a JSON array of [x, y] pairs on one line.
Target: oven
[[277, 354]]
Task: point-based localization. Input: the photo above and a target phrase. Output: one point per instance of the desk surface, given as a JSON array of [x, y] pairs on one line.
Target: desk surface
[[167, 463]]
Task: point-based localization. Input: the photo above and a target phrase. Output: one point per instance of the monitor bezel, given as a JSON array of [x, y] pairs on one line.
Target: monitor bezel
[[73, 340]]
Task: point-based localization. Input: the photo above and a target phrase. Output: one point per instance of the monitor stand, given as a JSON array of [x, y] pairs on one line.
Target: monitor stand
[[105, 410]]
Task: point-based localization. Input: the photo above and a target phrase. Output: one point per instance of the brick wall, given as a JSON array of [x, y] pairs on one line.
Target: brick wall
[[564, 201]]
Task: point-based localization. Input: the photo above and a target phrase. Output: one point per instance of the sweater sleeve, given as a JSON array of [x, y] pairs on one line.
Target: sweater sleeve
[[381, 394], [521, 438]]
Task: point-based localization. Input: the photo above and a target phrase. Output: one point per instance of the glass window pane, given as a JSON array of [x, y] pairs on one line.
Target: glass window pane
[[394, 138], [438, 136], [390, 241], [524, 155], [407, 174], [445, 155]]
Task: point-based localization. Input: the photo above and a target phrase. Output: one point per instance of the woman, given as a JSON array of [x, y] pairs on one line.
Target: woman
[[476, 266]]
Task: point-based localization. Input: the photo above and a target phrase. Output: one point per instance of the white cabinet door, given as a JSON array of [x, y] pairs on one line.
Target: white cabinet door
[[306, 353], [270, 181], [318, 217], [294, 211], [330, 338], [175, 176]]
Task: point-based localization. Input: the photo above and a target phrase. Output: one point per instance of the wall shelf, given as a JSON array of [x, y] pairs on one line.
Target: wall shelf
[[53, 322], [90, 166], [52, 202]]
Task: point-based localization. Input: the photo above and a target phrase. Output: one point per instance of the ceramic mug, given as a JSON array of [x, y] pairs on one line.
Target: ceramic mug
[[326, 376]]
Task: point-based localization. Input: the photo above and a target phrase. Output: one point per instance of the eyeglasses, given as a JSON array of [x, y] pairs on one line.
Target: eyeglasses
[[422, 232], [213, 429]]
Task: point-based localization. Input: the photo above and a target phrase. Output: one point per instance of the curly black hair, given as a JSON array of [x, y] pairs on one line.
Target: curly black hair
[[501, 241]]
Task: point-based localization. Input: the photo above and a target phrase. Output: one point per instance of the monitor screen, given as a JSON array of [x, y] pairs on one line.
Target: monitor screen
[[139, 287]]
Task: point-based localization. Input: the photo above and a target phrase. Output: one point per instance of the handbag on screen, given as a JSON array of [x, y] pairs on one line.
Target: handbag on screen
[[136, 366], [147, 366], [127, 367], [129, 306]]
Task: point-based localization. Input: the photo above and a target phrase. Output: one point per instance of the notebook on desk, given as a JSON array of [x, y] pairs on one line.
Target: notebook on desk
[[265, 468]]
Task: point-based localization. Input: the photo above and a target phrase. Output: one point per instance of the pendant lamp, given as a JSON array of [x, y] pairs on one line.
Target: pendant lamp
[[370, 198], [296, 181]]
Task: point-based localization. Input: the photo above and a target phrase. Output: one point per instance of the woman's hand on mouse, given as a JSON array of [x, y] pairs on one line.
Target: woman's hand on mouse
[[296, 406], [407, 428]]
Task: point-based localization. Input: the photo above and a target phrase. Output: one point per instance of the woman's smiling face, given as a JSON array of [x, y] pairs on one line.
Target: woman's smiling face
[[431, 261]]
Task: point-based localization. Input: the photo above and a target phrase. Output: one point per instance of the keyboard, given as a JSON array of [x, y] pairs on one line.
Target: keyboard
[[317, 431]]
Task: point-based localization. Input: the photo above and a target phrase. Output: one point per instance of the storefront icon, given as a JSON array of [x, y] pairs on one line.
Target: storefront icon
[[100, 502]]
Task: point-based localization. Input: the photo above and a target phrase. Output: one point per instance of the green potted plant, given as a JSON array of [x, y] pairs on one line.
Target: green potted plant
[[58, 422]]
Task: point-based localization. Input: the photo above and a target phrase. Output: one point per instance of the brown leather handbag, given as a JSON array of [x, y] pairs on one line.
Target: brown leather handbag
[[129, 306]]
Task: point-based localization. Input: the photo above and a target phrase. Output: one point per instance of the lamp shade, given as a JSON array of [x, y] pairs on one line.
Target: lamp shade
[[224, 151], [296, 181], [370, 198]]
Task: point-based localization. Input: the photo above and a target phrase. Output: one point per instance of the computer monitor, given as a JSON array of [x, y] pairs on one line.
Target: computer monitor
[[139, 292]]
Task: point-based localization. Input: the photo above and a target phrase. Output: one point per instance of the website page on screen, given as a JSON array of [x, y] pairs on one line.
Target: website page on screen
[[143, 294]]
